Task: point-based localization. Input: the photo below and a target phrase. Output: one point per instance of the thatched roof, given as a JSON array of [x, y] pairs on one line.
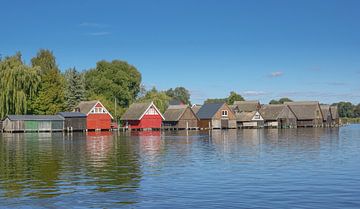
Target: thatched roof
[[245, 116], [272, 112], [325, 110], [208, 111], [246, 106], [304, 110], [86, 106], [137, 110], [174, 112], [196, 108], [334, 112]]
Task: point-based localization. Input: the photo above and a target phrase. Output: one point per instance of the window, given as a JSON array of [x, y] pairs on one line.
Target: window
[[257, 116], [224, 113], [151, 111]]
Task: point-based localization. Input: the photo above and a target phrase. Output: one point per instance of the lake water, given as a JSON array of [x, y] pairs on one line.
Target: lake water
[[294, 168]]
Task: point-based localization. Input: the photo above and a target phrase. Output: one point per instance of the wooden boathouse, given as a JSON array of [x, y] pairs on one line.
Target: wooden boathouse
[[97, 116], [251, 119], [335, 116], [180, 117], [74, 121], [216, 116], [33, 123], [142, 116], [308, 113], [278, 116]]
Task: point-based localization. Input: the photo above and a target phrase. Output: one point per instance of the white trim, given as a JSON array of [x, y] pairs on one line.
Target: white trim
[[98, 102], [255, 119], [157, 110]]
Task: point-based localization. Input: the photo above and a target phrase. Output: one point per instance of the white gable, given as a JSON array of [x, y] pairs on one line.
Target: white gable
[[257, 117], [152, 110], [99, 110]]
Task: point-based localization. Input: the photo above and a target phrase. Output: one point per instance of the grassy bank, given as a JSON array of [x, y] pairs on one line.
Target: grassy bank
[[350, 120]]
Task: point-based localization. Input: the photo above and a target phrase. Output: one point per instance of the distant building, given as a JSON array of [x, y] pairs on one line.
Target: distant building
[[33, 123], [176, 102], [327, 117], [142, 116], [335, 115], [308, 114], [180, 117], [98, 117], [278, 116], [246, 106], [252, 119], [216, 116], [74, 121]]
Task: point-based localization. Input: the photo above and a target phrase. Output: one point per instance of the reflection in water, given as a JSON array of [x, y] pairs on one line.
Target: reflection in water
[[217, 168]]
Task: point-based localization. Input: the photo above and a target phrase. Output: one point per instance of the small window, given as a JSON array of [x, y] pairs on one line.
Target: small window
[[224, 113]]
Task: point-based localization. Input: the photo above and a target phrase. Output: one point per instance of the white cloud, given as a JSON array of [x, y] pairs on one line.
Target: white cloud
[[276, 74]]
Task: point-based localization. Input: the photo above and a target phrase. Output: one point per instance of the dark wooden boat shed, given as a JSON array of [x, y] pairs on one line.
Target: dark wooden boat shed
[[74, 121]]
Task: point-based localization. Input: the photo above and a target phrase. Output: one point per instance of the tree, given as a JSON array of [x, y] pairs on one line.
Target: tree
[[160, 99], [18, 85], [280, 101], [51, 98], [113, 80], [216, 100], [346, 109], [179, 93], [273, 101], [357, 111], [234, 97], [74, 88]]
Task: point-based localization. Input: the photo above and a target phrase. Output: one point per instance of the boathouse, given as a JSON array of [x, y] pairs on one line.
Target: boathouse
[[33, 123], [335, 115], [251, 119], [180, 117], [97, 116], [142, 116], [74, 121], [195, 108], [216, 116], [308, 113], [278, 116], [327, 118]]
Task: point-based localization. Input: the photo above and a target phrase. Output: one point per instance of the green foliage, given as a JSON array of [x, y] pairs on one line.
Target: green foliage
[[18, 85], [346, 109], [75, 88], [179, 93], [280, 101], [113, 80], [51, 97], [234, 97], [160, 99], [229, 100]]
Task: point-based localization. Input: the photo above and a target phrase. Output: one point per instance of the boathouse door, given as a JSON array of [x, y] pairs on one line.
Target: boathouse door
[[224, 123]]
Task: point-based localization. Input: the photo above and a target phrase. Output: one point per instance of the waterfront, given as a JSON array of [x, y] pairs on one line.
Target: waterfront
[[302, 168]]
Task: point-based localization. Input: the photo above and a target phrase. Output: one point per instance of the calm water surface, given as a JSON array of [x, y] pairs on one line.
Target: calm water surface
[[298, 168]]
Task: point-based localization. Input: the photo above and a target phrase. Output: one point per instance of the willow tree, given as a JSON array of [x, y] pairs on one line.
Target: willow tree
[[19, 83]]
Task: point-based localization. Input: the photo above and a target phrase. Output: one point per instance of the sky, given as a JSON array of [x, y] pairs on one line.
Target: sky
[[262, 49]]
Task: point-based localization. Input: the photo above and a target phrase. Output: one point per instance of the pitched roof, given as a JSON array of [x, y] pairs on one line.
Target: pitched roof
[[325, 110], [304, 110], [196, 108], [245, 116], [72, 114], [247, 106], [208, 110], [176, 102], [137, 110], [174, 112], [35, 117], [86, 106], [334, 112], [272, 112]]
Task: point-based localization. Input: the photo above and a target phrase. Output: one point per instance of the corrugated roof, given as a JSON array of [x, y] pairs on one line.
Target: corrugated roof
[[174, 112], [35, 117], [245, 116], [86, 106], [304, 110], [72, 114], [207, 111], [135, 111], [247, 106]]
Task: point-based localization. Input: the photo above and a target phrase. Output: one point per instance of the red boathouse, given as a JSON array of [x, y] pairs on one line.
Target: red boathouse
[[144, 116], [98, 118]]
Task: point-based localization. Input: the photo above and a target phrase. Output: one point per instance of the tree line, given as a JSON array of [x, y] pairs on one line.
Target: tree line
[[42, 88]]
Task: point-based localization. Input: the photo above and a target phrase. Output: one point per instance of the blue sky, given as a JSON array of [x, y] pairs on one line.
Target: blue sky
[[263, 49]]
